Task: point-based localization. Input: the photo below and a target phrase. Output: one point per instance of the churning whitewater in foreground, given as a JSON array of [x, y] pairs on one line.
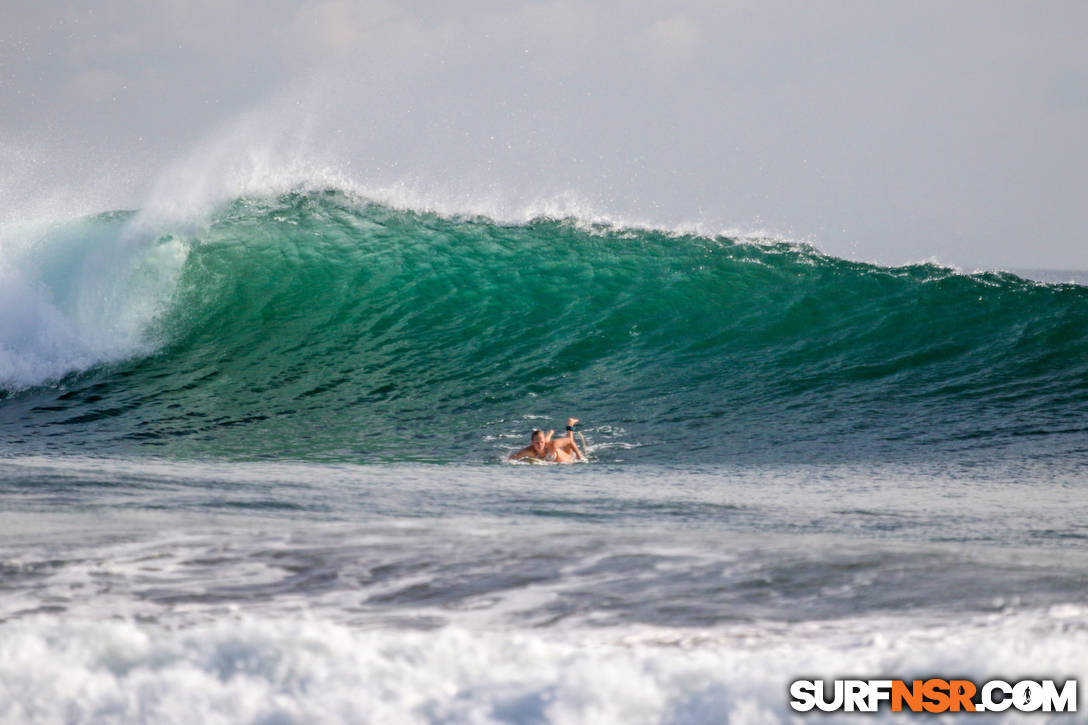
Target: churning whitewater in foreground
[[251, 471]]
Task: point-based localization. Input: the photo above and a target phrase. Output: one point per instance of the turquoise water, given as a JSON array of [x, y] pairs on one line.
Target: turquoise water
[[319, 327], [252, 470]]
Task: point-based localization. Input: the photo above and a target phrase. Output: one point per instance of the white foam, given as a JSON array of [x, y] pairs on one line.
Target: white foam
[[79, 295], [243, 669]]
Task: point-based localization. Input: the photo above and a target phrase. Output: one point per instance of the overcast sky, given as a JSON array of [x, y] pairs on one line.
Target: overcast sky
[[891, 132]]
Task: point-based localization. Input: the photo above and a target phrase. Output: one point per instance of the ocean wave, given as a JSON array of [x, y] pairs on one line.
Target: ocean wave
[[307, 318], [83, 294]]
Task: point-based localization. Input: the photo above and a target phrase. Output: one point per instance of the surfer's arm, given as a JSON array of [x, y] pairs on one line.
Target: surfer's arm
[[528, 451]]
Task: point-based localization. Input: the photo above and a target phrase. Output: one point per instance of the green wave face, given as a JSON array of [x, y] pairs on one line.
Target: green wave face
[[313, 326]]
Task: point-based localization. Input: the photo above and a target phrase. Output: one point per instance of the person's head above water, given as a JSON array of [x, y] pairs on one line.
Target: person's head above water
[[538, 441], [543, 446]]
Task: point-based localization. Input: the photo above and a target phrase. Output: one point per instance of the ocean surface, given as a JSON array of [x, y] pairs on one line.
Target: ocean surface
[[252, 470]]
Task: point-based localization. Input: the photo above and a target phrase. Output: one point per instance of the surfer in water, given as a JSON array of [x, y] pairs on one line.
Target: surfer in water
[[560, 450]]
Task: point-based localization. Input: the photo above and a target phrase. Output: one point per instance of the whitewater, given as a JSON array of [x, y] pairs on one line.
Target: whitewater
[[252, 466]]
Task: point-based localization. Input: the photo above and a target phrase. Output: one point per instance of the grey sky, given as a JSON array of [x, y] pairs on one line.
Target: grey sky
[[879, 131]]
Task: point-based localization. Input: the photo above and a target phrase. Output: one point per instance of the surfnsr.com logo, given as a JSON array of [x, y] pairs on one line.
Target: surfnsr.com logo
[[933, 695]]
